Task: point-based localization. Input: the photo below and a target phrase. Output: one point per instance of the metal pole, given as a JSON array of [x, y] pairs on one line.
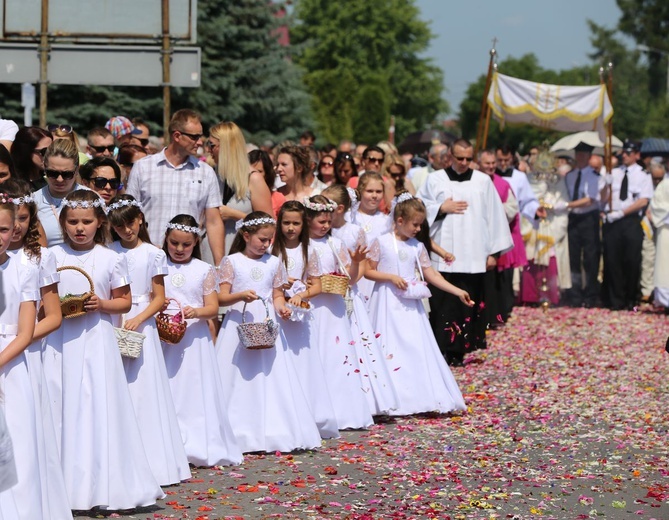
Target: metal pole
[[484, 101], [43, 62], [166, 52]]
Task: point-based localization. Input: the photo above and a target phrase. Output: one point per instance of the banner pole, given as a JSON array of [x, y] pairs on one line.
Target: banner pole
[[484, 101]]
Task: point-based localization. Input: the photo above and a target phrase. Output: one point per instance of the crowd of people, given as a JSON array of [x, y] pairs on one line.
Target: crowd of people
[[348, 279]]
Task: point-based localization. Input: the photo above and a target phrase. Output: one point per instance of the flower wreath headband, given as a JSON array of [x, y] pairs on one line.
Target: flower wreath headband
[[85, 204], [125, 203], [241, 224], [402, 197], [182, 227], [317, 206], [20, 201]]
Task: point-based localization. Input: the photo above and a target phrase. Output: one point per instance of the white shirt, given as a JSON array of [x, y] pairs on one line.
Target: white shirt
[[639, 186], [482, 230], [589, 187], [166, 190]]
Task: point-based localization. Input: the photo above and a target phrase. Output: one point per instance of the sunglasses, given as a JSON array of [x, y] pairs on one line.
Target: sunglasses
[[144, 141], [194, 137], [377, 160], [101, 149], [327, 163], [101, 182], [66, 129], [40, 151], [465, 159], [66, 175]]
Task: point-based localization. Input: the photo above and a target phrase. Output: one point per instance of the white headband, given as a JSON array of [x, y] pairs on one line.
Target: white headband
[[317, 206], [187, 229], [124, 203], [26, 199], [85, 204], [403, 197], [254, 222]]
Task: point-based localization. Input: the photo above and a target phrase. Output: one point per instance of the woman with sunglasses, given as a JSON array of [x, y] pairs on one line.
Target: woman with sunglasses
[[102, 175], [396, 170], [345, 170], [27, 152], [326, 173], [61, 163], [129, 154]]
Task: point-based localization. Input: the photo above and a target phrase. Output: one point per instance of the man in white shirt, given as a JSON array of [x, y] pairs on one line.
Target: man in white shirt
[[466, 218], [174, 182], [626, 194]]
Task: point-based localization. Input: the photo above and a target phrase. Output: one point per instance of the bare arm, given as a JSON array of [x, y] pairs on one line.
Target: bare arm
[[225, 297], [206, 312], [435, 278], [120, 302], [371, 273], [155, 305], [53, 316], [215, 233], [279, 301], [24, 336]]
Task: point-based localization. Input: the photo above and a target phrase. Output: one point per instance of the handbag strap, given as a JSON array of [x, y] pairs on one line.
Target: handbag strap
[[264, 301], [420, 269], [339, 261]]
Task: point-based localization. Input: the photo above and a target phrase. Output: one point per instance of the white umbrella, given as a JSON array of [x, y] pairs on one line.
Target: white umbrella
[[569, 142]]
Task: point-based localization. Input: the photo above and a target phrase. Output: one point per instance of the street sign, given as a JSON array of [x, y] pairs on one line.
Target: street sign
[[98, 21], [118, 65]]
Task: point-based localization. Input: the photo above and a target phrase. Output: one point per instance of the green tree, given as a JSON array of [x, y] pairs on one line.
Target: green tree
[[247, 77], [375, 42]]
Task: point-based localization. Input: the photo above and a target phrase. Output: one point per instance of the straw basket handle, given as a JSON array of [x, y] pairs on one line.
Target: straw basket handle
[[79, 270], [181, 310], [264, 301]]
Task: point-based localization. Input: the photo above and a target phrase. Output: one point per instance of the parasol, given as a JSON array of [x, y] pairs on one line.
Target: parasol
[[569, 142]]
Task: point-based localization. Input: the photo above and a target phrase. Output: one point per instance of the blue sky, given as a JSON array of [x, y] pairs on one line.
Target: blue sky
[[555, 31]]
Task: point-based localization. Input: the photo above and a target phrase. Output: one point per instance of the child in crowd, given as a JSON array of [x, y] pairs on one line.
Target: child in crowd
[[102, 453], [191, 364], [20, 285], [331, 330], [25, 245], [424, 383], [268, 408], [291, 245], [370, 218], [376, 380], [147, 375]]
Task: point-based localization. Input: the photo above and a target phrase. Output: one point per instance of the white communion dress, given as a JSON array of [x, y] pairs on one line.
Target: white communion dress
[[422, 379], [102, 453], [268, 409], [197, 392], [147, 375]]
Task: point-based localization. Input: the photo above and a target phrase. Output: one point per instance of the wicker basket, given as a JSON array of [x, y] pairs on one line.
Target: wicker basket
[[171, 327], [72, 305], [258, 335], [129, 342], [334, 284]]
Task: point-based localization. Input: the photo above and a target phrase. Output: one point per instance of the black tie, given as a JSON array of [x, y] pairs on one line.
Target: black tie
[[623, 187], [577, 186]]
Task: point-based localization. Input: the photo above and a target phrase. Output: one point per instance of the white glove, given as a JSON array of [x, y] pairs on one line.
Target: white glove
[[608, 179], [560, 206], [614, 215]]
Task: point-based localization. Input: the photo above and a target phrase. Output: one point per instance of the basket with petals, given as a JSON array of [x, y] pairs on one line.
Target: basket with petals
[[72, 305], [258, 335], [334, 283], [171, 327]]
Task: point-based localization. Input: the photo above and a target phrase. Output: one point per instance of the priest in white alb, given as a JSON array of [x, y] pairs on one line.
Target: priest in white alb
[[466, 218]]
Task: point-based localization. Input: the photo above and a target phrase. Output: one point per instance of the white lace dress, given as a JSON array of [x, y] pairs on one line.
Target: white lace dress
[[54, 495], [197, 392], [147, 375], [305, 356], [374, 226], [268, 409], [376, 380], [331, 334], [20, 283], [422, 379], [102, 453]]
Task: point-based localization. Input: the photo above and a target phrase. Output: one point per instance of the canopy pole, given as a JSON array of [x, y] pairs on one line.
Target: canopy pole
[[484, 102], [485, 131]]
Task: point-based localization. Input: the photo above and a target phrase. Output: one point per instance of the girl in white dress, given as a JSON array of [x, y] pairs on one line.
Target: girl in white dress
[[377, 384], [17, 323], [147, 375], [331, 329], [370, 218], [25, 245], [194, 378], [422, 379], [102, 454], [268, 409], [291, 245]]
